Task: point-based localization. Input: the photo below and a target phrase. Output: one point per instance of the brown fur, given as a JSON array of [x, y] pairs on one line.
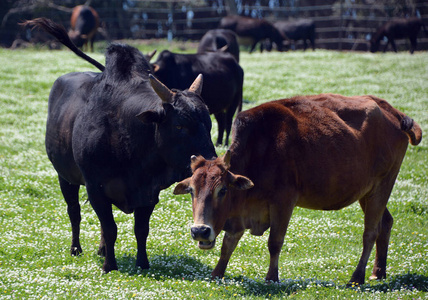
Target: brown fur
[[81, 36], [321, 152]]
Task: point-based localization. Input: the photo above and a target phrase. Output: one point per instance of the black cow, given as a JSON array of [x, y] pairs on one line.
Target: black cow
[[123, 139], [302, 29], [397, 29], [251, 31], [222, 91], [220, 39], [84, 25]]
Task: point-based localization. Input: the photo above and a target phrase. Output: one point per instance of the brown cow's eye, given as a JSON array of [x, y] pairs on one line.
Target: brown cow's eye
[[222, 192]]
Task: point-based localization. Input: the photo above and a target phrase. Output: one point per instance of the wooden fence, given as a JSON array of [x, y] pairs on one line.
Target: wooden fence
[[341, 26]]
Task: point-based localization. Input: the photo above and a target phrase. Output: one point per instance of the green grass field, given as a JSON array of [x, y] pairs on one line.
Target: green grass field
[[321, 249]]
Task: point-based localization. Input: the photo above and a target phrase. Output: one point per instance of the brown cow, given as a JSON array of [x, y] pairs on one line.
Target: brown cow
[[84, 25], [398, 29], [319, 152]]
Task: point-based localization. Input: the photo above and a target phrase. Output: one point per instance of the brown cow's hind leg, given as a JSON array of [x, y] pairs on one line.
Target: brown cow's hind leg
[[377, 227], [382, 242]]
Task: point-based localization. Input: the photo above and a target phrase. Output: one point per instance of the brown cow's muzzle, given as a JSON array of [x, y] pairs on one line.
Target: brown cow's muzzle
[[204, 235]]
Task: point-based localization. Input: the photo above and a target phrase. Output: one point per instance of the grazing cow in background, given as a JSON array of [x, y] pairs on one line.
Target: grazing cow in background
[[224, 78], [398, 29], [319, 152], [84, 25], [303, 29], [251, 31], [220, 40], [123, 135]]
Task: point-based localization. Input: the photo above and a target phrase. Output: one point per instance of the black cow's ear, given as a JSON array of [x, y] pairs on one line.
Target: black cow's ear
[[151, 116]]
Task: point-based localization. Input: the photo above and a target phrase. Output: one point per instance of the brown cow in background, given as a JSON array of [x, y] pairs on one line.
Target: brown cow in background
[[84, 25], [319, 152], [398, 29]]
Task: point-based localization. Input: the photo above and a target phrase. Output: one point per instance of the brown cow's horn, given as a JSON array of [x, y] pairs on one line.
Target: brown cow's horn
[[163, 92], [226, 159], [196, 86]]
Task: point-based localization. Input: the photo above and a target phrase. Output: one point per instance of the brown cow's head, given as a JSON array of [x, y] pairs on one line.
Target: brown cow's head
[[210, 187]]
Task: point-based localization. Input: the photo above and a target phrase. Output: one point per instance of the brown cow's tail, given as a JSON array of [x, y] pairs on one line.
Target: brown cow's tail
[[412, 129], [59, 32]]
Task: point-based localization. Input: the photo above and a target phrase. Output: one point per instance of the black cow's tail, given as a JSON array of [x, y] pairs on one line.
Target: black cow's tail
[[59, 32]]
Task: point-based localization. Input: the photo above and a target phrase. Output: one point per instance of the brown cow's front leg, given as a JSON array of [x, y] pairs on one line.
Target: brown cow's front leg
[[279, 223], [141, 230], [230, 241]]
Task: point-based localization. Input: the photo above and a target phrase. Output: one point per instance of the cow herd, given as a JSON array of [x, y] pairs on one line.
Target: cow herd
[[136, 128]]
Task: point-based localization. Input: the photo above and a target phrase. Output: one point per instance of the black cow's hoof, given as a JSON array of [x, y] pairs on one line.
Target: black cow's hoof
[[75, 251]]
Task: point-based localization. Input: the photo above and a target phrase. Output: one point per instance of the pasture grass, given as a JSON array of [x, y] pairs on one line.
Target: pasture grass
[[321, 249]]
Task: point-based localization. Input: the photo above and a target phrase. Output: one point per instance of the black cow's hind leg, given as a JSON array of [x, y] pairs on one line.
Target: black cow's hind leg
[[141, 229], [71, 196], [221, 121]]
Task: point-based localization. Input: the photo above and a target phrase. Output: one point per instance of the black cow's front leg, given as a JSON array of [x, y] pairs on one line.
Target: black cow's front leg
[[71, 196], [141, 229], [104, 211]]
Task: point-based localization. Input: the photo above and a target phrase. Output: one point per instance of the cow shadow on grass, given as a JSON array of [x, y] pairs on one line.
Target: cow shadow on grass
[[185, 267]]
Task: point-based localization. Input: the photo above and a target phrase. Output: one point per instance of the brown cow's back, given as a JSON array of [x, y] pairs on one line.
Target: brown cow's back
[[332, 149]]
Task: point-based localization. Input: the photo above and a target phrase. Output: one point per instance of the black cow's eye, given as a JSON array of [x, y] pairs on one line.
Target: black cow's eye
[[179, 127]]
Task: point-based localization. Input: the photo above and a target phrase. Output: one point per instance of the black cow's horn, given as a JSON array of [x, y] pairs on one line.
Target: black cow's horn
[[196, 86], [162, 90]]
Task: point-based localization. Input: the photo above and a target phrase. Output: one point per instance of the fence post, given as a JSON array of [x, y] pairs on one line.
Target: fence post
[[341, 25], [231, 7]]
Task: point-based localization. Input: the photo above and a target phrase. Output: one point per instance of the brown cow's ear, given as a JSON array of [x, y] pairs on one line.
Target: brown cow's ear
[[196, 86], [182, 187], [162, 90], [240, 182]]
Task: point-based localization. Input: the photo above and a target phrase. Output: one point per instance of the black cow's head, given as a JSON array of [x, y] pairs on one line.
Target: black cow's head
[[183, 124], [165, 69]]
